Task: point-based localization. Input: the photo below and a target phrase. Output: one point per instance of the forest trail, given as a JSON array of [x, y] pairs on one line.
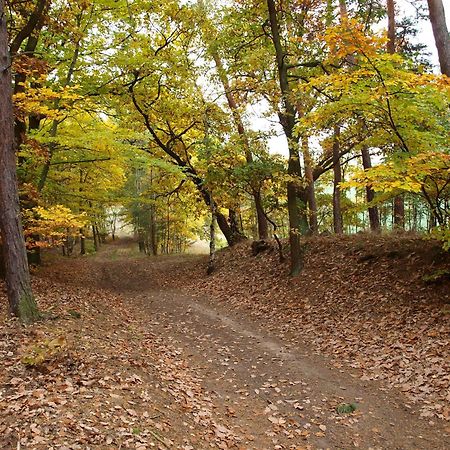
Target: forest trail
[[266, 393], [154, 364]]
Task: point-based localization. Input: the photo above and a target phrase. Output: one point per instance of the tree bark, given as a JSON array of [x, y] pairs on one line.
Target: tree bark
[[17, 276], [441, 34]]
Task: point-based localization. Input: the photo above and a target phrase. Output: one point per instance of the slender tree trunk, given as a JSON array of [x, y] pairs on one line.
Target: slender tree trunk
[[95, 238], [399, 212], [82, 242], [311, 192], [390, 46], [212, 241], [296, 196], [399, 206], [263, 229], [337, 211], [441, 34], [20, 296], [168, 228], [153, 237], [54, 129], [415, 215], [374, 216]]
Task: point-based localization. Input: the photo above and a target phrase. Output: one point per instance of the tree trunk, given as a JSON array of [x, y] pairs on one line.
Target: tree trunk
[[399, 206], [2, 264], [231, 237], [296, 250], [390, 46], [263, 228], [441, 34], [54, 129], [296, 196], [374, 217], [153, 237], [312, 203], [17, 276], [233, 221], [82, 242], [399, 212], [95, 238], [212, 242], [337, 211]]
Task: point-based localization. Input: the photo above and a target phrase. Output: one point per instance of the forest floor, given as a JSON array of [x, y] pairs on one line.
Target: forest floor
[[138, 352]]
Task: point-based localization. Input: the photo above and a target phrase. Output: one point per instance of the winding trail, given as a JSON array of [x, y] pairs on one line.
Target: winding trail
[[268, 393]]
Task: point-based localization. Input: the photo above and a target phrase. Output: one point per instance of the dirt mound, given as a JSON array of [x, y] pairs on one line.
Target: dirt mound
[[376, 304]]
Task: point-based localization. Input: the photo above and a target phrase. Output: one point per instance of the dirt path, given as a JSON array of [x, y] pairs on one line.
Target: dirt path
[[268, 394]]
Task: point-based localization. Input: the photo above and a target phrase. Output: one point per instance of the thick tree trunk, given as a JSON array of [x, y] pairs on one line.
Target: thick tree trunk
[[441, 34], [337, 210], [20, 297], [399, 212], [374, 217], [34, 254], [233, 221], [2, 264], [231, 236], [263, 228]]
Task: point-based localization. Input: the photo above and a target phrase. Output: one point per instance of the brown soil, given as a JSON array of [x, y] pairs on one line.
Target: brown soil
[[164, 356]]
